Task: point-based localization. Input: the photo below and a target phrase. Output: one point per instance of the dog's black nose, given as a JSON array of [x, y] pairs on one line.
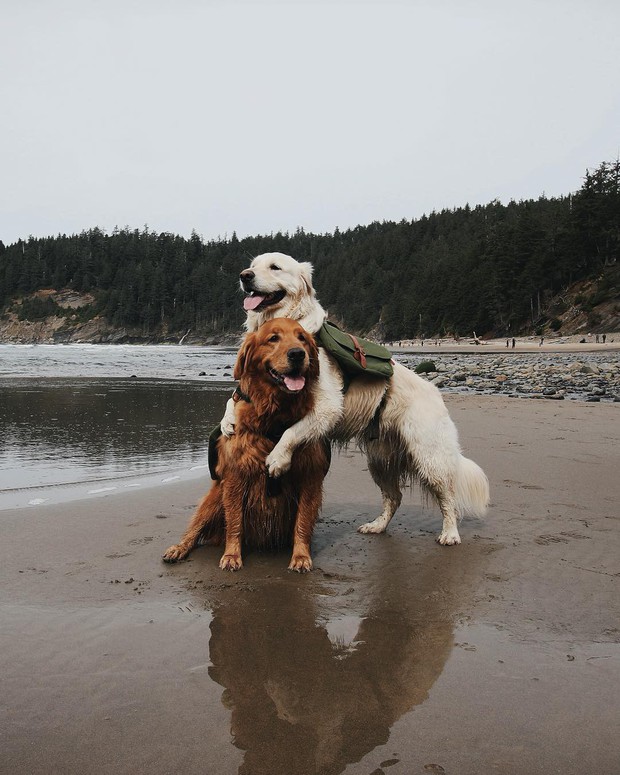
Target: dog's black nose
[[296, 354], [247, 274]]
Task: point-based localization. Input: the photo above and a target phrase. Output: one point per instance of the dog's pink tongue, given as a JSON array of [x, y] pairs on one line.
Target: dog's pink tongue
[[251, 302], [294, 384]]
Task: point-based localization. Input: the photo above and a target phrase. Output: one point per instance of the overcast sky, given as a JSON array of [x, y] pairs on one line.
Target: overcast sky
[[256, 117]]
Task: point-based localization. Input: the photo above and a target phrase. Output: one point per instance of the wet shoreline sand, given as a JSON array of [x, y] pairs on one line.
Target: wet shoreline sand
[[395, 655]]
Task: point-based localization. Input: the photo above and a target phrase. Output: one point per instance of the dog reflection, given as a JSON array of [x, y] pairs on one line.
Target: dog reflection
[[301, 704]]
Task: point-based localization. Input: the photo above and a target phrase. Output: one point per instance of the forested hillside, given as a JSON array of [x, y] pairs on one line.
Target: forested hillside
[[491, 268]]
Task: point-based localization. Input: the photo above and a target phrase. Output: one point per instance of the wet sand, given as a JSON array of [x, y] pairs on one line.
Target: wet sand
[[394, 656]]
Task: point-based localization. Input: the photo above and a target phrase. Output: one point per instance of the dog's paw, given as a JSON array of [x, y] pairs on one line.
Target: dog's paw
[[449, 537], [376, 526], [302, 563], [231, 562], [277, 463], [175, 553]]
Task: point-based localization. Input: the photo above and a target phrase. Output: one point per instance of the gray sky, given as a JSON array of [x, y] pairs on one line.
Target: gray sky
[[258, 117]]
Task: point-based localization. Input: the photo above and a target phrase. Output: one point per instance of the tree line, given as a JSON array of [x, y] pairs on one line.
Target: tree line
[[490, 268]]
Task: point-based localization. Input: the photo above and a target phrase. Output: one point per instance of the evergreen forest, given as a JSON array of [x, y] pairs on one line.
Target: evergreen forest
[[490, 268]]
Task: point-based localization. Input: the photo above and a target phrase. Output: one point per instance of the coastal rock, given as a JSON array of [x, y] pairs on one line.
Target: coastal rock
[[543, 374]]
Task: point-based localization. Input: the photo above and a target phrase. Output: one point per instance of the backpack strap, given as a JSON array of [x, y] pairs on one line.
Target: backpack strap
[[359, 353]]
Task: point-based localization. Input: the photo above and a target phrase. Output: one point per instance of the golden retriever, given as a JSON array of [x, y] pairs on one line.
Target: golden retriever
[[277, 368], [416, 438]]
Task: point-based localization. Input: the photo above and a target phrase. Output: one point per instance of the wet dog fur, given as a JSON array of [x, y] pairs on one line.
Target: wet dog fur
[[277, 368]]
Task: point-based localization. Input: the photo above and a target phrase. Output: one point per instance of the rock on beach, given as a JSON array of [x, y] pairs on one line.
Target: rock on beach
[[546, 375]]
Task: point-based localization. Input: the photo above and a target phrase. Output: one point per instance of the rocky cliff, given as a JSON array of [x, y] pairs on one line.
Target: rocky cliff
[[75, 322]]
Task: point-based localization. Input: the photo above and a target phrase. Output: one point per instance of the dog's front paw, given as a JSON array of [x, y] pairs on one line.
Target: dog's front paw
[[278, 462], [231, 562], [175, 553], [449, 537], [302, 563]]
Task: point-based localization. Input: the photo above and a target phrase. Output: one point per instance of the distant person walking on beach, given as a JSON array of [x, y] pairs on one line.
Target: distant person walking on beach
[[542, 339], [507, 342], [604, 338], [513, 343]]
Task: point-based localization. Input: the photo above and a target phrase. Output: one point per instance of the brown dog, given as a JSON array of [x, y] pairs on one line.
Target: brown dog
[[277, 367]]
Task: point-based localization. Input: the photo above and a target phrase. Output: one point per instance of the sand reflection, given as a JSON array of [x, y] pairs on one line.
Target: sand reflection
[[316, 672]]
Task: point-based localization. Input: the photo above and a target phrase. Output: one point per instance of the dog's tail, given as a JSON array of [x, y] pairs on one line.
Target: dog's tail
[[472, 489]]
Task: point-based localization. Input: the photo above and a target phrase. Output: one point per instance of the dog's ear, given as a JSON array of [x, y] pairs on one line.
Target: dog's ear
[[306, 275], [244, 356]]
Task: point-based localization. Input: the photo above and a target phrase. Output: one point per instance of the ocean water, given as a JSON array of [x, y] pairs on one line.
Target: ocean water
[[86, 420], [90, 420], [101, 360]]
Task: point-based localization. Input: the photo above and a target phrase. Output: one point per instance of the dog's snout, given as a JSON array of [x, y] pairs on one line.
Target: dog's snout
[[247, 275], [296, 354]]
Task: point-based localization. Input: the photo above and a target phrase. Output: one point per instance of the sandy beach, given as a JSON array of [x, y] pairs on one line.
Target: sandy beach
[[573, 343], [394, 656]]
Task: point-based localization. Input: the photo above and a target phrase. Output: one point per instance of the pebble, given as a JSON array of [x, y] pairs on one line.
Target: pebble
[[554, 376]]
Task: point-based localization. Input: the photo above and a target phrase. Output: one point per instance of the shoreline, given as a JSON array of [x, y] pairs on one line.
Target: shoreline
[[92, 490], [370, 658], [570, 343], [563, 344]]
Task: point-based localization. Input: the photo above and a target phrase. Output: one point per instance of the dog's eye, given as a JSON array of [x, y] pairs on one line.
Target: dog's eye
[[275, 268], [274, 338], [302, 338]]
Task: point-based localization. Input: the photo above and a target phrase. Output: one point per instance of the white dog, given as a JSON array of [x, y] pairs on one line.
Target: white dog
[[417, 439]]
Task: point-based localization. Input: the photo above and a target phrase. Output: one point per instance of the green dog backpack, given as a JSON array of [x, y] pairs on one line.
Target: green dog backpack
[[354, 355]]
